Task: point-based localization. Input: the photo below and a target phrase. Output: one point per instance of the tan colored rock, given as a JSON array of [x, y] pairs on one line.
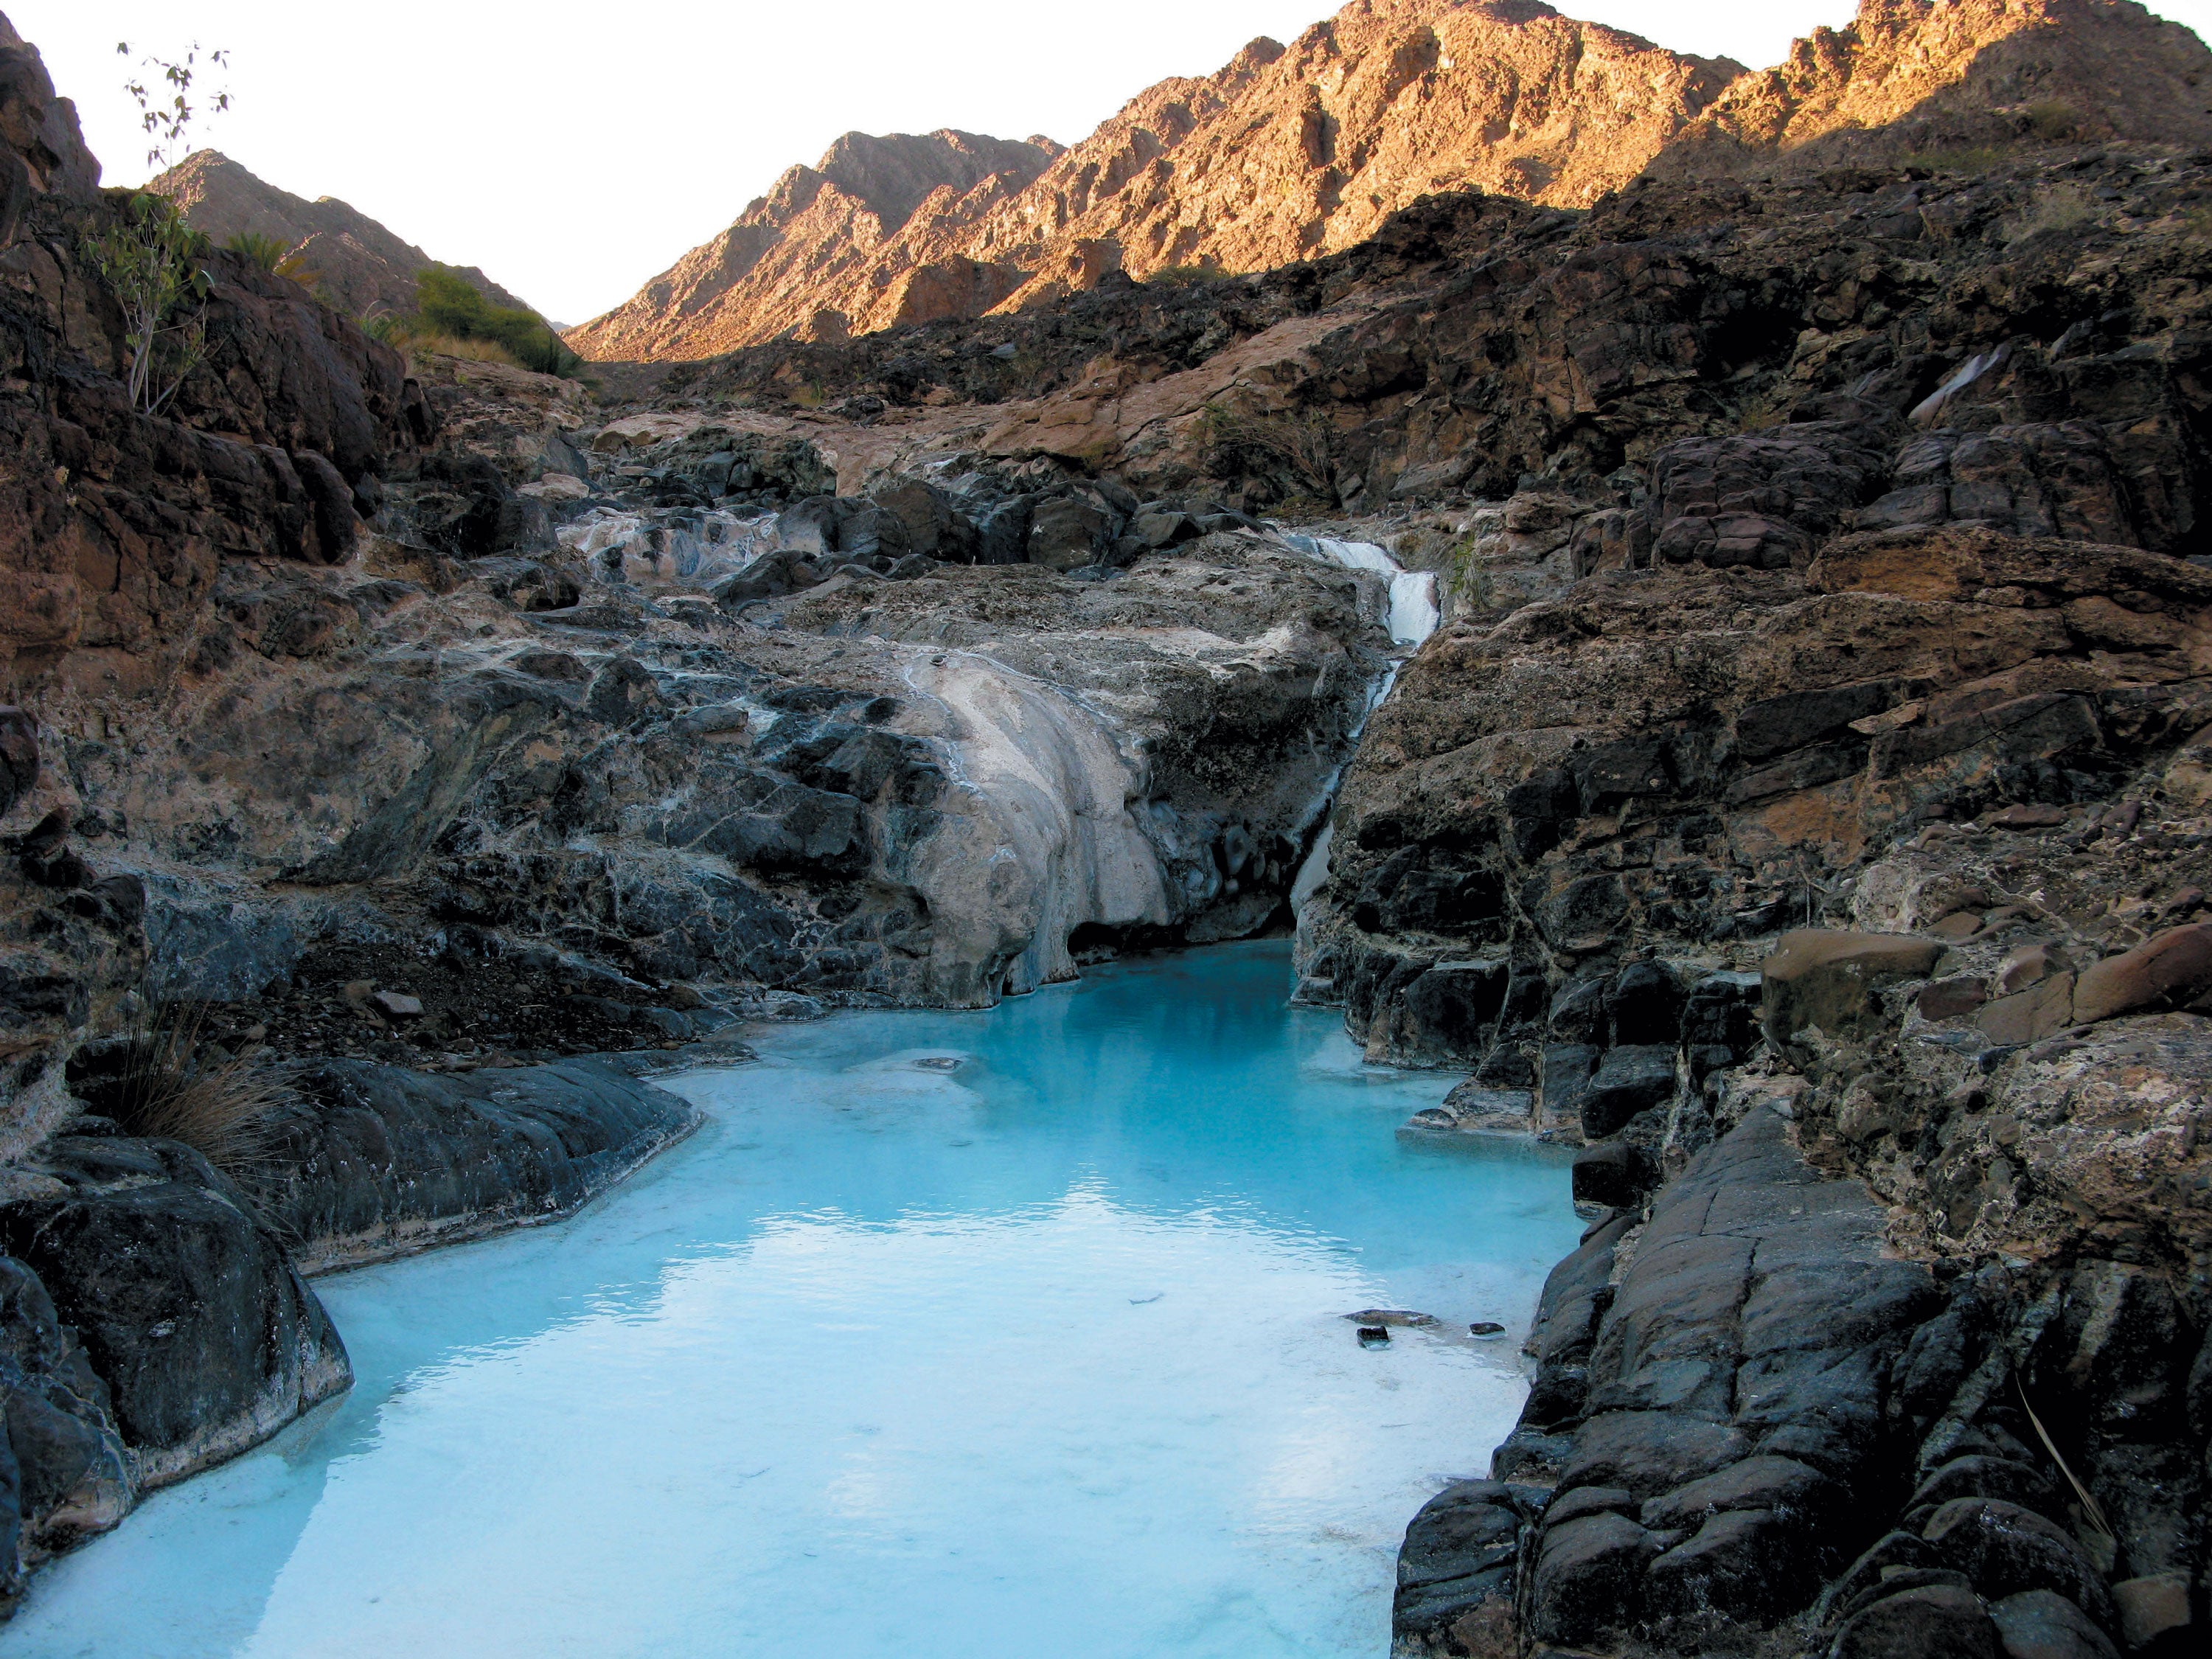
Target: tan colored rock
[[2108, 1133], [2149, 1607], [828, 251], [2030, 1015], [2187, 779], [1948, 999], [2031, 964], [1829, 978], [1927, 75], [1282, 154], [2175, 968]]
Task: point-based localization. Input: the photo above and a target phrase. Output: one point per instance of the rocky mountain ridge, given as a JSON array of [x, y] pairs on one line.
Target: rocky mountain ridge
[[825, 250], [1287, 153], [362, 267]]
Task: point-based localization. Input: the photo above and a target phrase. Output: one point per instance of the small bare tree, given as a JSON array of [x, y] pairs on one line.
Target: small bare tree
[[166, 110], [149, 256]]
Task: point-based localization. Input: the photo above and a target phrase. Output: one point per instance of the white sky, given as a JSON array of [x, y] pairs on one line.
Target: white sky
[[576, 150]]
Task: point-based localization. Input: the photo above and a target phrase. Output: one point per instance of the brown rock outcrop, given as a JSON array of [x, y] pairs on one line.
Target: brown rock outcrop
[[42, 153], [112, 521], [361, 268]]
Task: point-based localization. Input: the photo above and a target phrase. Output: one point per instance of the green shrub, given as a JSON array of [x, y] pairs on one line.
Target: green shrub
[[267, 252], [150, 258], [446, 304]]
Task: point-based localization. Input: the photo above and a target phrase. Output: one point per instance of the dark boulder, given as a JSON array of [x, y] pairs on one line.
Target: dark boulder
[[1628, 1081], [377, 1161], [65, 1472], [1749, 1564], [1932, 1621], [1460, 1553], [1644, 1006], [188, 1305], [1650, 1452], [2041, 1624], [19, 756], [1980, 1476], [2005, 1549], [1613, 1173], [1588, 1578], [1069, 532]]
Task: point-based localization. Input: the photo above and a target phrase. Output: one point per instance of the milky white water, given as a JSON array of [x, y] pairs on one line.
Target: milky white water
[[1414, 614], [1043, 1355]]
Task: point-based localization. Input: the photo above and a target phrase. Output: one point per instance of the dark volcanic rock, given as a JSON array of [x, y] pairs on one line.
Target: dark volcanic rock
[[2005, 1550], [2041, 1624], [1459, 1555], [1734, 1389], [65, 1471], [189, 1309], [1940, 1621], [378, 1162]]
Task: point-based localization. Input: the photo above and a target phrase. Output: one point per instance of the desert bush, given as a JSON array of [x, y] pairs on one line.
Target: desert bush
[[410, 337], [270, 253], [267, 252], [1184, 275], [1234, 442], [2060, 207], [2052, 121]]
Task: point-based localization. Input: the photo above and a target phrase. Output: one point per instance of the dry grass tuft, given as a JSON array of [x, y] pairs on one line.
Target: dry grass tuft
[[2057, 207], [175, 1085]]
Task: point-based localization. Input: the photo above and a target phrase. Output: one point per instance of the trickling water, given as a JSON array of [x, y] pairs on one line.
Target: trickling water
[[1413, 613], [1414, 616], [950, 1334]]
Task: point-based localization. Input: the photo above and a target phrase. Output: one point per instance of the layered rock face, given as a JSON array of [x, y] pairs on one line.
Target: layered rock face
[[1289, 153], [359, 266]]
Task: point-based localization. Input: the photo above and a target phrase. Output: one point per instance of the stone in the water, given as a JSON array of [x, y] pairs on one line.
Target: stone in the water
[[1374, 1336], [1401, 1316], [940, 1062], [1486, 1327]]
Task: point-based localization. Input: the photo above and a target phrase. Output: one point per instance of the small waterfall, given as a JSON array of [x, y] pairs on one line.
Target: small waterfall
[[1413, 613], [1413, 617]]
